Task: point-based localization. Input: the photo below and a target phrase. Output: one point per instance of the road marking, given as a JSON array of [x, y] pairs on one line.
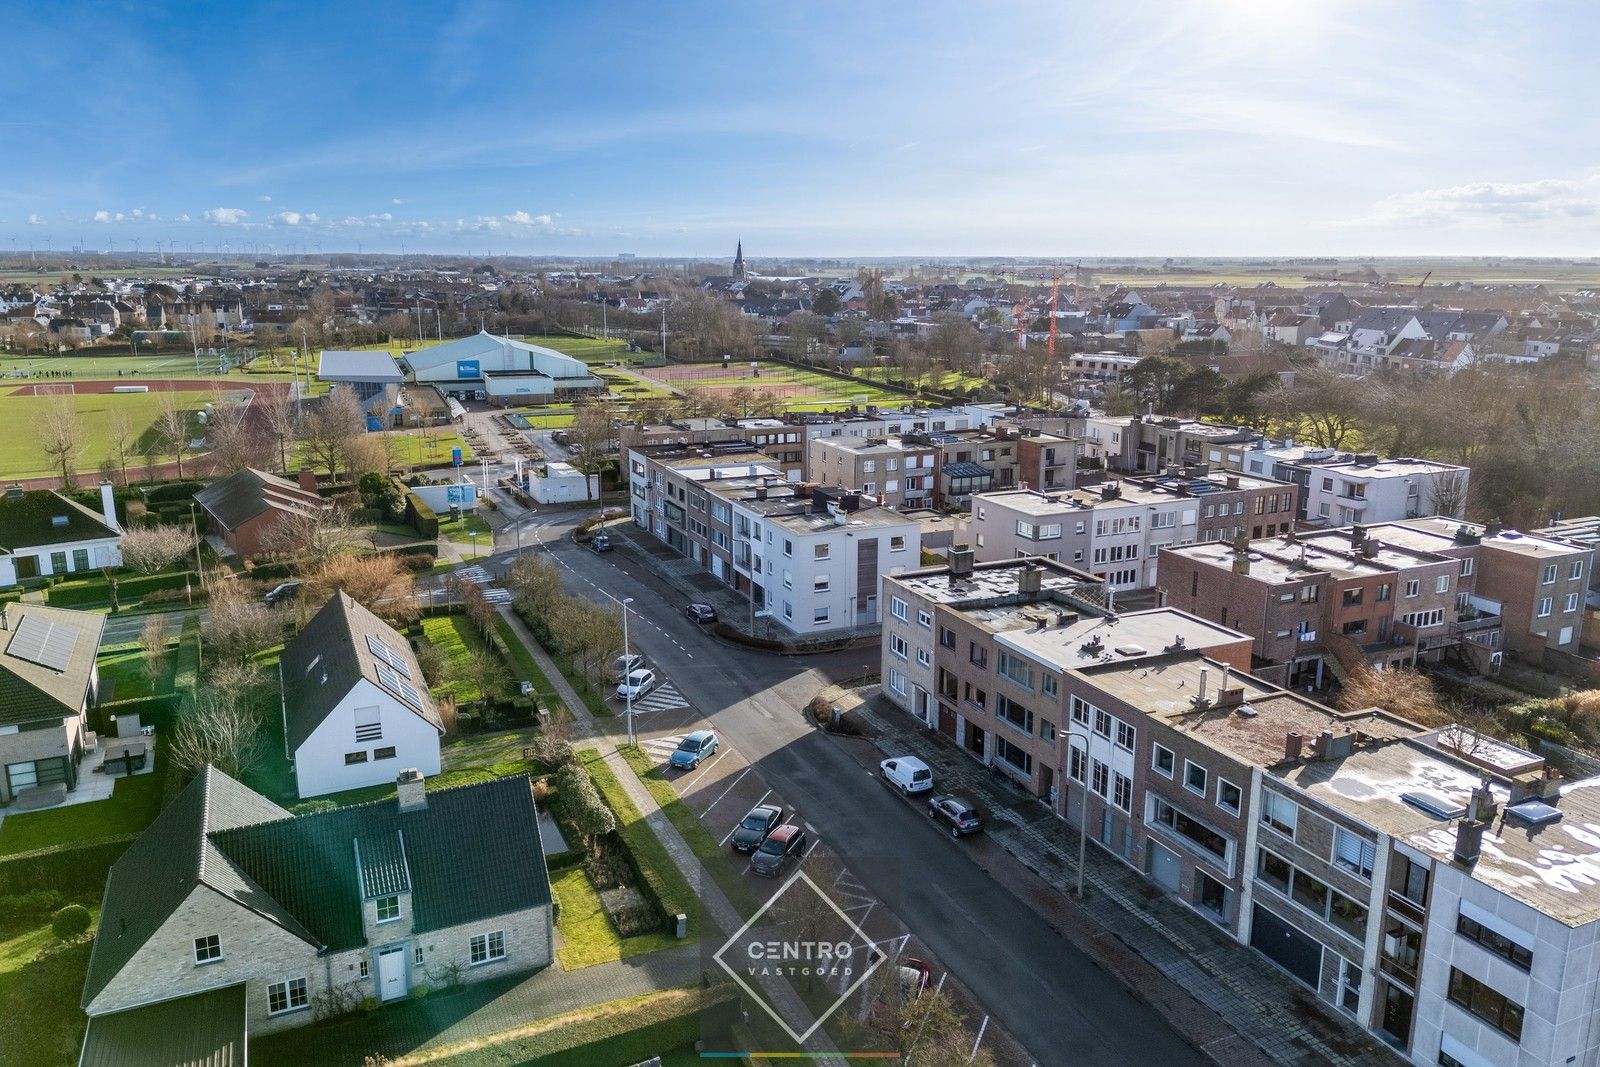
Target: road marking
[[704, 767], [728, 790]]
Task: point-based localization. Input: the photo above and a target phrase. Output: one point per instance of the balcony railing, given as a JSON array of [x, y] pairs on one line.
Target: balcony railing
[[1306, 635], [1408, 909]]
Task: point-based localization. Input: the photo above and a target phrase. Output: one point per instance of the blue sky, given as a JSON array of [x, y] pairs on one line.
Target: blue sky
[[1225, 127]]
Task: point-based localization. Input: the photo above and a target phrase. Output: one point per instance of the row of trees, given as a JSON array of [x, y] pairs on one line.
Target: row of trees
[[589, 634]]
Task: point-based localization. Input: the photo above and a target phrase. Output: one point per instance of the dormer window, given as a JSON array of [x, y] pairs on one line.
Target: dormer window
[[388, 909]]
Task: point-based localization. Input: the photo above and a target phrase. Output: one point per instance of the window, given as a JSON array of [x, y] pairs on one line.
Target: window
[[821, 551], [1275, 871], [1102, 723], [353, 758], [1442, 585], [485, 948], [819, 616], [897, 682], [897, 646], [1163, 760], [363, 968], [1122, 792], [416, 955], [1228, 796], [821, 585], [1577, 569], [1099, 777], [388, 909], [1194, 777], [897, 608], [925, 619], [897, 543], [1080, 711], [947, 637], [1349, 991], [1279, 812], [1125, 736], [1049, 685], [287, 996], [1481, 1000], [1354, 853], [1013, 755], [1570, 604], [1548, 575], [788, 547], [1423, 619], [1495, 942], [1188, 828], [369, 724], [1466, 567], [1544, 607], [1016, 670], [1014, 714], [80, 559], [207, 949]]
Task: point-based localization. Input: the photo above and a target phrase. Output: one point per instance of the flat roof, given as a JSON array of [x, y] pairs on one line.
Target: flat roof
[[342, 365], [863, 518], [993, 581], [1087, 642], [1279, 561]]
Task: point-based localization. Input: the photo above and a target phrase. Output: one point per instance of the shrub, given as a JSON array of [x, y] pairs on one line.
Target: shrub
[[70, 922], [421, 517], [33, 904], [314, 807]]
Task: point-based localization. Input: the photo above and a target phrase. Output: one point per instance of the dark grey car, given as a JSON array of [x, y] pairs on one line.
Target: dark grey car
[[755, 827], [960, 813]]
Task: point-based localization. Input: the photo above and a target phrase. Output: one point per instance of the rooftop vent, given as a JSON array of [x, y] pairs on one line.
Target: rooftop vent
[[1533, 813], [1435, 805]]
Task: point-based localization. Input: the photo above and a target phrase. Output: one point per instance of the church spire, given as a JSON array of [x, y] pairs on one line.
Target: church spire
[[739, 273]]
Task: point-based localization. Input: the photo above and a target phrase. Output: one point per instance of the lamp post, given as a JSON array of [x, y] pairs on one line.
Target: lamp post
[[627, 679], [1083, 816]]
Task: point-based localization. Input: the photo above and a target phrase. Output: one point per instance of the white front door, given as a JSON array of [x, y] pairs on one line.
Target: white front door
[[392, 973]]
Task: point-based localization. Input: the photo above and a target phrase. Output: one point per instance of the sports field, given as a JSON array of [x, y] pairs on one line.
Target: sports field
[[800, 389], [20, 456], [166, 365]]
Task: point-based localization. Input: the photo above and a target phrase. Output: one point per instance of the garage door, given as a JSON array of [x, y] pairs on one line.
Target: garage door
[[1297, 952]]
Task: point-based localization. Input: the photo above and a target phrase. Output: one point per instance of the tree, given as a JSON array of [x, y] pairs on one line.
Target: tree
[[590, 815], [480, 669], [332, 425], [280, 414], [70, 922], [826, 302], [933, 1033], [149, 549], [1404, 692], [311, 537], [119, 429], [535, 584], [228, 435], [590, 634], [591, 437], [154, 637], [238, 624], [379, 582], [222, 729], [1321, 403], [1156, 381], [1448, 494], [60, 436], [172, 427]]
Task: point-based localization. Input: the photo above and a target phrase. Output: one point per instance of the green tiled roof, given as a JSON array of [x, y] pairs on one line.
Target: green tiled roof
[[28, 519], [383, 864], [204, 1030]]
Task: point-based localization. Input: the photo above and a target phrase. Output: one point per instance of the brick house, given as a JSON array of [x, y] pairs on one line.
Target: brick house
[[229, 916], [244, 507]]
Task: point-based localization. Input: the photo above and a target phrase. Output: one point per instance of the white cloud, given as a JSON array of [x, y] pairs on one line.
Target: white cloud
[[522, 218], [397, 201], [184, 217], [1535, 201], [102, 216], [288, 218], [226, 216], [264, 198], [35, 219]]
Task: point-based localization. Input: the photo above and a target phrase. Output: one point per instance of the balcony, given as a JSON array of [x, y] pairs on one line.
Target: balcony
[[1410, 910], [1306, 636], [1476, 622]]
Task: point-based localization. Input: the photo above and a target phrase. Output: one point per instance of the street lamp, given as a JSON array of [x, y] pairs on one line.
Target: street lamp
[[627, 686], [1083, 816]]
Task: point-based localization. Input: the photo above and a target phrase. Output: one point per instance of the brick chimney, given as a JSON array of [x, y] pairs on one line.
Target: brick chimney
[[411, 789], [308, 479]]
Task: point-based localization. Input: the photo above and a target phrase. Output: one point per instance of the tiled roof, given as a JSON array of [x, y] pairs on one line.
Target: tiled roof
[[244, 494], [330, 655], [45, 517], [204, 1030], [383, 865], [30, 691]]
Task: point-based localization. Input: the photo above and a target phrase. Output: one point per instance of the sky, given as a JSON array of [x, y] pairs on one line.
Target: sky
[[1204, 127]]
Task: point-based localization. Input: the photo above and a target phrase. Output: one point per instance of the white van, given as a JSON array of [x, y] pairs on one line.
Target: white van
[[908, 774]]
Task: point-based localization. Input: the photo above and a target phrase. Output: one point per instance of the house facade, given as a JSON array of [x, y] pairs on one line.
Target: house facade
[[48, 683], [355, 705], [275, 920], [45, 534]]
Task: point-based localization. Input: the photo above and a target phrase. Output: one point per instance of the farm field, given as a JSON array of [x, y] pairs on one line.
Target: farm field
[[20, 456], [796, 386]]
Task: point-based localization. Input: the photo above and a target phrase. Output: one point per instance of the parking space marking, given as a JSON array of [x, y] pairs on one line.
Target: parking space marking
[[706, 766], [664, 697], [730, 789]]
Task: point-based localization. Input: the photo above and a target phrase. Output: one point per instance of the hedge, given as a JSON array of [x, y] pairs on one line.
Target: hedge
[[72, 869], [98, 590], [173, 491], [659, 878], [421, 517], [271, 572]]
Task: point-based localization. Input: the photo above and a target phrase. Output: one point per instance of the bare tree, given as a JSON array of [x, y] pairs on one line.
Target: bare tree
[[119, 429], [311, 537], [280, 413], [154, 638], [1448, 494], [333, 423], [239, 625], [590, 634], [172, 427], [483, 670], [379, 582], [223, 729], [60, 437], [228, 434], [148, 549], [591, 438]]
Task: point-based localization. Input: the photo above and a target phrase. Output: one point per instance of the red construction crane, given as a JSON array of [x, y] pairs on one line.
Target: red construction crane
[[1055, 284]]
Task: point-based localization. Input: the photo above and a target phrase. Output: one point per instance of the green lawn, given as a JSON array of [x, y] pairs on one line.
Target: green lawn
[[677, 895], [133, 805], [41, 1025], [20, 456], [122, 676], [590, 349], [587, 936], [527, 670], [713, 857], [406, 448], [21, 946], [461, 530], [455, 636]]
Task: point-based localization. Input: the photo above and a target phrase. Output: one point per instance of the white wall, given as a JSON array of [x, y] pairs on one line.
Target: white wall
[[319, 765], [437, 497], [792, 596], [563, 487]]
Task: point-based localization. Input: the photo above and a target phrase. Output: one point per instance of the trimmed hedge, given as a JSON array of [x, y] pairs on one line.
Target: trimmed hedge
[[71, 869], [160, 711], [659, 878], [421, 517], [174, 491], [271, 572], [98, 590]]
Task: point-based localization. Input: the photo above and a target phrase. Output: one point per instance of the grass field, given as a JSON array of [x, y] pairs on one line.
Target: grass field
[[134, 804], [162, 366], [19, 452], [794, 385], [587, 936]]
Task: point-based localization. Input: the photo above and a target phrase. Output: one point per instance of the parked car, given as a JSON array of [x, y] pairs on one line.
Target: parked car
[[754, 827], [914, 976], [600, 542], [280, 593], [783, 843], [638, 682], [908, 774], [702, 744], [623, 666], [959, 812], [701, 613]]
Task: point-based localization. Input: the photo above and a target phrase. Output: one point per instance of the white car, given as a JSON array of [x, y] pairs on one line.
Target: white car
[[908, 774], [636, 684]]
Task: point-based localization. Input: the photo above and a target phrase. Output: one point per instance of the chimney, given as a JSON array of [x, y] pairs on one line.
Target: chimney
[[1492, 529], [1469, 841], [411, 789], [108, 505], [1321, 744], [761, 492], [14, 491], [960, 561], [1241, 561], [1233, 481], [1481, 807], [308, 479], [1293, 746], [1030, 580], [1550, 784], [1358, 537], [1200, 696]]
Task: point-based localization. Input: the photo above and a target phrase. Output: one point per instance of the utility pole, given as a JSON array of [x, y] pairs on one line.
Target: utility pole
[[663, 330], [627, 679]]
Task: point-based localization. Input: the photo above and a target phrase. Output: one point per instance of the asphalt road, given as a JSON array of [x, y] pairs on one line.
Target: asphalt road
[[1055, 1002]]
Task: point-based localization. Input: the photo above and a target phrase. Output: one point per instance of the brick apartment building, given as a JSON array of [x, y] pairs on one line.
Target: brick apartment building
[[897, 472]]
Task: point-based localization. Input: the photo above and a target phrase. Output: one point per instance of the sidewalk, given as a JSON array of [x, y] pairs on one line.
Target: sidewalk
[[1222, 995]]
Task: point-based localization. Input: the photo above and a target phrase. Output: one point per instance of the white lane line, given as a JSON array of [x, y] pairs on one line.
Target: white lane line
[[815, 841], [708, 764], [728, 790]]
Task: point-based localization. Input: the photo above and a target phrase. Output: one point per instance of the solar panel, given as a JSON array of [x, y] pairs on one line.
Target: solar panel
[[385, 654], [404, 690], [44, 641]]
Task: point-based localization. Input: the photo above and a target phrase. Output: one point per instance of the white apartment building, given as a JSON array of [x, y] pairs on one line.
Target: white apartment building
[[1345, 489]]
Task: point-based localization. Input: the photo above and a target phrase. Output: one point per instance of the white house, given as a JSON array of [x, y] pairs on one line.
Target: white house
[[355, 705], [43, 533], [562, 483]]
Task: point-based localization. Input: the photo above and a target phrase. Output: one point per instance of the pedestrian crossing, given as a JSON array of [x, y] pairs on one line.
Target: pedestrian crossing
[[664, 697], [495, 595], [481, 578], [661, 747]]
